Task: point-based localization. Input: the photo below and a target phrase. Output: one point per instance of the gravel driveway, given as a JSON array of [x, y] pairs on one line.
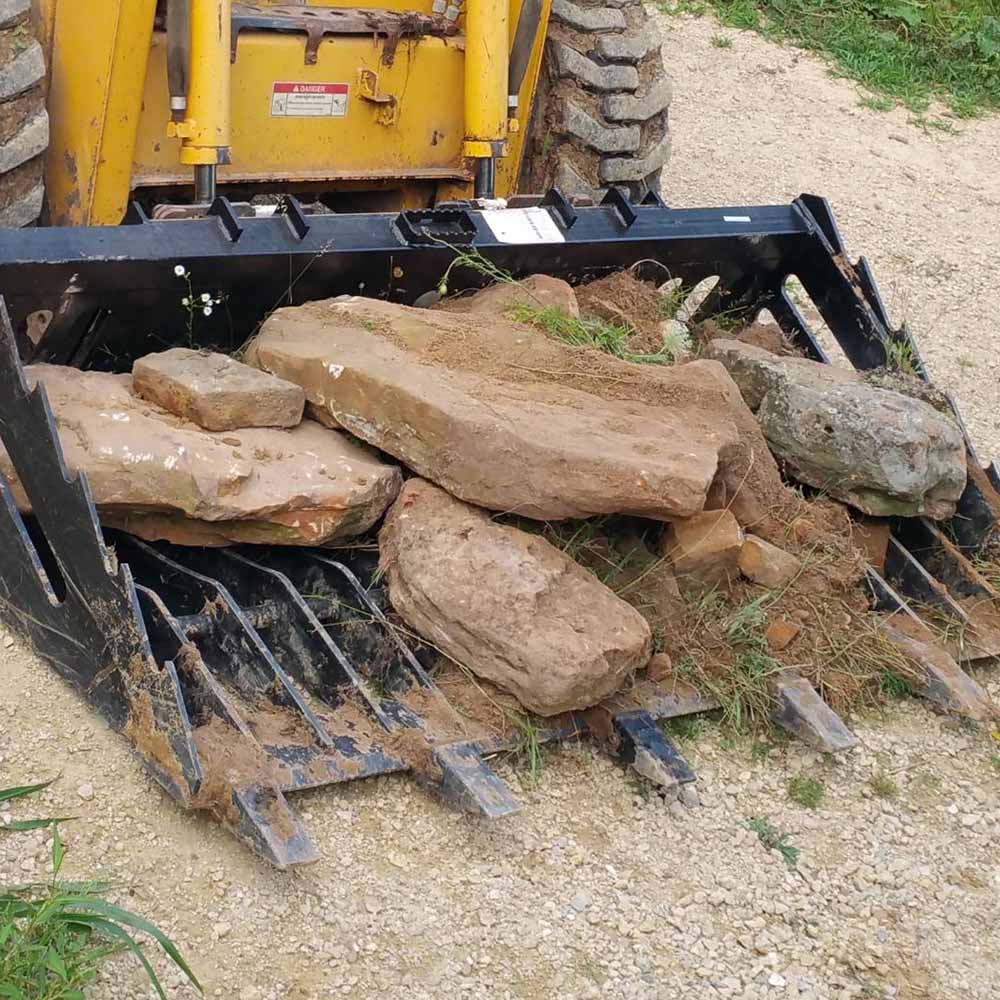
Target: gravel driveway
[[599, 889]]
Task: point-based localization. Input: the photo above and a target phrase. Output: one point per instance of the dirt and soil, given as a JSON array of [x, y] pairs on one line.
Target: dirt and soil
[[600, 888]]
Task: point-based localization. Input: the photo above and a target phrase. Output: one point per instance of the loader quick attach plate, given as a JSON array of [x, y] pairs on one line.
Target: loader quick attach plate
[[241, 675]]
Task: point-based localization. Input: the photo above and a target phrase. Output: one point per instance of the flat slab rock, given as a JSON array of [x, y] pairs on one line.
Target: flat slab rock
[[501, 415], [159, 476], [882, 451], [215, 391], [508, 604]]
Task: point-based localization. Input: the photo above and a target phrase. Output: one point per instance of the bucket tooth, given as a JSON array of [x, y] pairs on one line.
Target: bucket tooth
[[469, 783], [803, 713], [947, 686], [266, 823], [642, 745], [958, 590]]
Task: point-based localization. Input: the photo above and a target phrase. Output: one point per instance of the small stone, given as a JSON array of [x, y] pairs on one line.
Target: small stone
[[781, 633], [221, 929], [660, 668], [8, 641], [777, 981], [688, 795], [704, 549], [86, 792], [580, 902], [970, 819], [766, 564]]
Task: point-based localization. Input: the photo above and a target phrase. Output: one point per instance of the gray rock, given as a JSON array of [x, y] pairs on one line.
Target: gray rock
[[883, 452]]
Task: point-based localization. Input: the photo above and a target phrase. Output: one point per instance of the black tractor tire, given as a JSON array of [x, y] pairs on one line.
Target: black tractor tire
[[601, 112], [24, 122]]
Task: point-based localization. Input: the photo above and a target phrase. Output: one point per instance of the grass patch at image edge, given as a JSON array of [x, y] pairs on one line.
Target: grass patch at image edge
[[911, 51], [55, 935]]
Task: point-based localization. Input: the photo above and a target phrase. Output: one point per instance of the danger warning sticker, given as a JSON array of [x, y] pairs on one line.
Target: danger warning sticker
[[309, 100]]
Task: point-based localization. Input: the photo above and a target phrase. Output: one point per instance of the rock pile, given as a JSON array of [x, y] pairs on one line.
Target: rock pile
[[512, 430], [163, 477]]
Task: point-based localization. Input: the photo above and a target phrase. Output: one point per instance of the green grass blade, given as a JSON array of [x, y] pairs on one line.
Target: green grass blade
[[20, 825], [100, 925], [108, 911], [20, 791]]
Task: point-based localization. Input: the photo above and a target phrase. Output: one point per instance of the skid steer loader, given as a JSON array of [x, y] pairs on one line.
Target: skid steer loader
[[288, 152]]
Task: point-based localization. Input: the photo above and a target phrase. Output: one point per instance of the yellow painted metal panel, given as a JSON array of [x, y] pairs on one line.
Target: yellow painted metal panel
[[328, 135], [98, 71], [487, 45], [509, 168]]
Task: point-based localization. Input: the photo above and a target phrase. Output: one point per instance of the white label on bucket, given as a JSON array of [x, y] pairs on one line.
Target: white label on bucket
[[523, 225]]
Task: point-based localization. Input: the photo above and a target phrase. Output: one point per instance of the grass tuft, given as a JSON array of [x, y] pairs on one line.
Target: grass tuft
[[774, 840], [587, 331], [883, 786], [907, 51], [806, 791], [56, 935]]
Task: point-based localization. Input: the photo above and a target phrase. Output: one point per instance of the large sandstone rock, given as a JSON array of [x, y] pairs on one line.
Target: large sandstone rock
[[881, 451], [161, 477], [504, 417], [215, 391], [507, 604]]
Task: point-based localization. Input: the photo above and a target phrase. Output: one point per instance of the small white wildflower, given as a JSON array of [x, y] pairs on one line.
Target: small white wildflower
[[207, 310], [180, 271], [185, 301], [205, 297]]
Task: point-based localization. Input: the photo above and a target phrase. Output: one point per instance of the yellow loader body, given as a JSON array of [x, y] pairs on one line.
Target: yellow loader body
[[404, 115]]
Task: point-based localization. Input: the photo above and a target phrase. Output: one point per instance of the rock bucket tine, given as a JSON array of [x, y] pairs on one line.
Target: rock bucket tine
[[296, 638], [256, 812], [802, 712], [468, 783], [977, 633], [303, 646], [947, 685], [235, 649], [202, 692], [642, 745]]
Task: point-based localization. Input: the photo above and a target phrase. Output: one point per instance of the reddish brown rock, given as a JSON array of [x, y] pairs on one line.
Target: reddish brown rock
[[704, 549], [162, 477], [215, 391], [660, 668], [504, 417], [507, 604], [781, 634], [871, 536], [766, 564]]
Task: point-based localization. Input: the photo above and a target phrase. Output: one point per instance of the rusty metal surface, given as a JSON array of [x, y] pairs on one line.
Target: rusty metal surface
[[316, 23]]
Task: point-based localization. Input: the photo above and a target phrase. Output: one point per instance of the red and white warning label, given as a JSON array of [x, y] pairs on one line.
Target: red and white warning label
[[309, 100]]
